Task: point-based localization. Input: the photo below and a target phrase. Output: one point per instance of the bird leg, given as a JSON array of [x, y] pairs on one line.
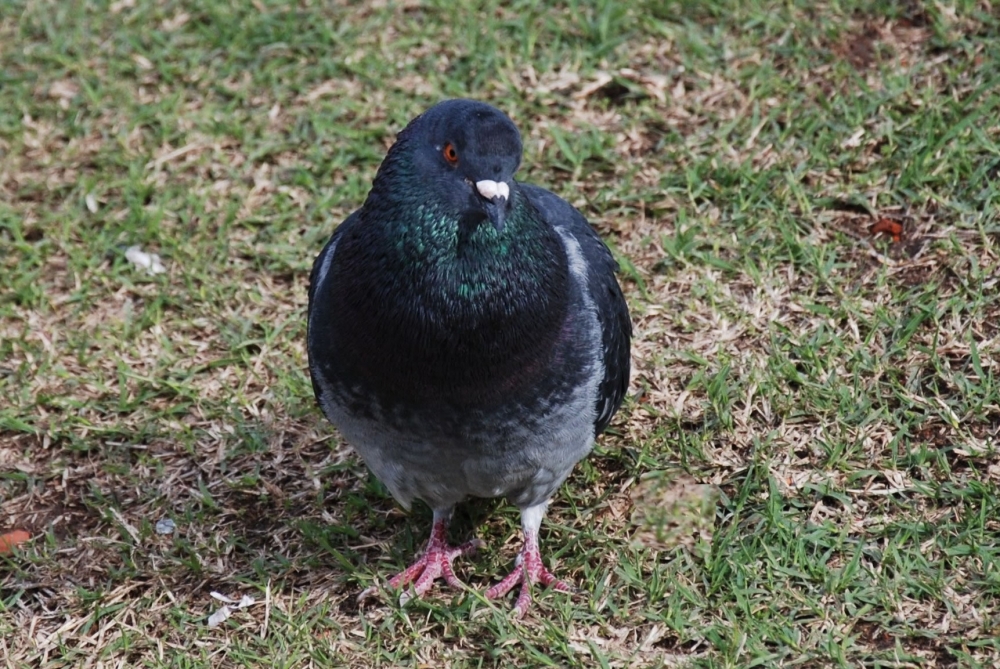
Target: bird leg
[[433, 564], [528, 568]]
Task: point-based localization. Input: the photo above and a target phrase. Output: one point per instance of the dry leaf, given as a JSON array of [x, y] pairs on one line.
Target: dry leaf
[[10, 540], [64, 89]]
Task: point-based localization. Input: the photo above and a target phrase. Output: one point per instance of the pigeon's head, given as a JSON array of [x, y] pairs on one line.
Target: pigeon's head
[[460, 156]]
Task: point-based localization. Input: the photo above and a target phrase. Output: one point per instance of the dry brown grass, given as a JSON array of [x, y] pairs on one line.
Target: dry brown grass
[[806, 471]]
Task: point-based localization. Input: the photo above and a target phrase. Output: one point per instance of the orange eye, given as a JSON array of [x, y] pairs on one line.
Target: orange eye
[[449, 153]]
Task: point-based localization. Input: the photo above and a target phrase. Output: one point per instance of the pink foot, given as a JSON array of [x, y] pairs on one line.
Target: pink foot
[[435, 563], [527, 571]]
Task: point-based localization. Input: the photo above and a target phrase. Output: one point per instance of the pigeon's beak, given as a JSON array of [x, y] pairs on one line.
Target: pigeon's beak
[[496, 194]]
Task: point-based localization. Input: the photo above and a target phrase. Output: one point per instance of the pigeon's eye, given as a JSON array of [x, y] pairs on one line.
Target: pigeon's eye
[[449, 153]]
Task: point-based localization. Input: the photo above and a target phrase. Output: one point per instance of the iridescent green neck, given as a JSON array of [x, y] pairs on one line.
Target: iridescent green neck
[[426, 234], [471, 258]]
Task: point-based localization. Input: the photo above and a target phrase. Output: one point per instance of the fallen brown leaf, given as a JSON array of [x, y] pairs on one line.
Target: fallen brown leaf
[[11, 540]]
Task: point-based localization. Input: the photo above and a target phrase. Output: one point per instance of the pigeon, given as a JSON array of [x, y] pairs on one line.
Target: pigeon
[[467, 335]]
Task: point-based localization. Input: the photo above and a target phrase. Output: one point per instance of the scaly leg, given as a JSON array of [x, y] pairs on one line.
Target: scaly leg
[[528, 568], [433, 564]]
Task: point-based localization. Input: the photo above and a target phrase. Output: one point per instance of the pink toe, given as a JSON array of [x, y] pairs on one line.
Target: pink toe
[[435, 563], [505, 586], [528, 571]]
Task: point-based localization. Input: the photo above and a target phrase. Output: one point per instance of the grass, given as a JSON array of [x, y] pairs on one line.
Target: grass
[[805, 473]]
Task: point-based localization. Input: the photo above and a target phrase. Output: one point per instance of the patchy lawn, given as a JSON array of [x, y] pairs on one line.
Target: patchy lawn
[[804, 198]]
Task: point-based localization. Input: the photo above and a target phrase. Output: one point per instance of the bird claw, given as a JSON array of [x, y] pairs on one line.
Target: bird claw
[[435, 563], [528, 570]]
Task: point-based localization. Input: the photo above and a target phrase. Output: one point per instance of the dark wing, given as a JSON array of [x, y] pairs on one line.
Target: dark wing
[[612, 310], [318, 313], [326, 255]]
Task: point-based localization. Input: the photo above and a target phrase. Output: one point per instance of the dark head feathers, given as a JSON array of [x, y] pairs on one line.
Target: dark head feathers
[[480, 132], [459, 157]]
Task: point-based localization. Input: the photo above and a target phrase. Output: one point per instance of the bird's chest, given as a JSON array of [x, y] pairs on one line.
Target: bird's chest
[[440, 343]]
